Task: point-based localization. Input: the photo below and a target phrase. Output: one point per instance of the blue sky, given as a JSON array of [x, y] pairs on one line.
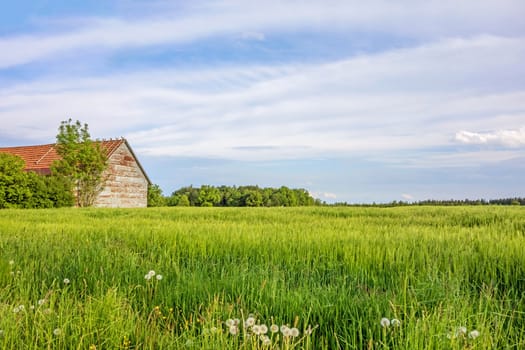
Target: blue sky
[[354, 101]]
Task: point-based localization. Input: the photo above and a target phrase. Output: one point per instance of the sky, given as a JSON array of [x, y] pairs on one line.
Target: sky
[[354, 101]]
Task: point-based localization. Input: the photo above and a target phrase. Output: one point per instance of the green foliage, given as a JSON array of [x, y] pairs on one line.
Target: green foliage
[[155, 198], [20, 189], [83, 162], [338, 270], [243, 196]]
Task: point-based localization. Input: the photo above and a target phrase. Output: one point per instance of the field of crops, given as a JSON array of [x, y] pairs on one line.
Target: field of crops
[[263, 278]]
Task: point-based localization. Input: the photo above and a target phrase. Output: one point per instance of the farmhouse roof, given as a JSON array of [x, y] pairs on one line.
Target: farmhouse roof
[[39, 158]]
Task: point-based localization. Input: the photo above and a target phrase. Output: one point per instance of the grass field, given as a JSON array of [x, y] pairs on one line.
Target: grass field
[[327, 278]]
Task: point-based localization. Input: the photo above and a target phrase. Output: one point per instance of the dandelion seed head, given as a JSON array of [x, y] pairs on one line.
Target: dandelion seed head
[[147, 276], [229, 322], [256, 329], [41, 302], [263, 329], [250, 321], [294, 332], [385, 322], [151, 273], [233, 330], [159, 277], [395, 322], [274, 328], [16, 309], [473, 334], [462, 330], [266, 340], [57, 331], [66, 281], [11, 262]]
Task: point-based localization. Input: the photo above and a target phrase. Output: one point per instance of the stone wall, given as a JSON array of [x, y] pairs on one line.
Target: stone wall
[[126, 185]]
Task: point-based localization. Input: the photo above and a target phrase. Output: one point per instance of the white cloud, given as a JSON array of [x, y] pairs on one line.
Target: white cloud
[[415, 19], [508, 138]]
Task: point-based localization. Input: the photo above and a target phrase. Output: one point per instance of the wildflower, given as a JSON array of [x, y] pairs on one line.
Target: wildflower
[[461, 331], [151, 273], [266, 340], [395, 322], [250, 321], [41, 301], [274, 328], [233, 330], [66, 281], [283, 328], [147, 276], [32, 307], [229, 322], [159, 277], [473, 334], [385, 322], [57, 331], [287, 332], [294, 332], [16, 309], [263, 329], [21, 307], [256, 329]]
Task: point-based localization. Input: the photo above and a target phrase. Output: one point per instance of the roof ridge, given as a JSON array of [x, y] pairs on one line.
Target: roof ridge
[[45, 154]]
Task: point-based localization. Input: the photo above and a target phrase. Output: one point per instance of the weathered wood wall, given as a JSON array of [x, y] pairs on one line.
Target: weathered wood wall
[[126, 186]]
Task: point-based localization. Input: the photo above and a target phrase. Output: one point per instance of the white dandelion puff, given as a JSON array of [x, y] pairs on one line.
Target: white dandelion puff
[[266, 340], [151, 273], [11, 262], [250, 321], [41, 301], [473, 334], [229, 322], [16, 309], [274, 328], [256, 329], [395, 322], [263, 329], [147, 276], [66, 281], [159, 277], [294, 332], [385, 322], [462, 331], [287, 332], [57, 331], [233, 330]]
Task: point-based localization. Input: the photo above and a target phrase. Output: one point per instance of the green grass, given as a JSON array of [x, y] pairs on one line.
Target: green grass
[[337, 270]]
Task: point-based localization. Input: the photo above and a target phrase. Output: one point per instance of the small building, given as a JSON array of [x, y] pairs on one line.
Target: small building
[[126, 183]]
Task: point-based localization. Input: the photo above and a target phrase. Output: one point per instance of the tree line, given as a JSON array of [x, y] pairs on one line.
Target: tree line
[[232, 196]]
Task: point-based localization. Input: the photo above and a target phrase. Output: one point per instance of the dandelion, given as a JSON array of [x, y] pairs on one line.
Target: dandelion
[[283, 328], [41, 301], [266, 341], [294, 332], [256, 329], [385, 322], [263, 329], [151, 273], [21, 307], [32, 307], [159, 277], [473, 334], [461, 331], [147, 276], [233, 330], [11, 262], [274, 328], [395, 322], [66, 281], [229, 322], [57, 331], [250, 321], [16, 309], [287, 332]]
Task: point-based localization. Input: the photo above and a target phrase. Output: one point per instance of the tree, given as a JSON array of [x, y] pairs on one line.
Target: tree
[[155, 197], [14, 191], [83, 162]]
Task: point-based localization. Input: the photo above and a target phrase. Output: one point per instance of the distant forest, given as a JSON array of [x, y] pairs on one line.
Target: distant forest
[[255, 196], [233, 196]]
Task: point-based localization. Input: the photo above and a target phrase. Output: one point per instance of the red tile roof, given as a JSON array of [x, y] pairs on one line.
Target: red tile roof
[[39, 158]]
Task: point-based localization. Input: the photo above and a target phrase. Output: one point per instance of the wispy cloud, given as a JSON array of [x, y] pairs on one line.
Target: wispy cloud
[[508, 138]]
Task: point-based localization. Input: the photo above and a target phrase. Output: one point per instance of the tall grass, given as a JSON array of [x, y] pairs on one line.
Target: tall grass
[[338, 271]]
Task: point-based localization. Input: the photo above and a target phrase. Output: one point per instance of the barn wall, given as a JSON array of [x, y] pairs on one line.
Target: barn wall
[[126, 186]]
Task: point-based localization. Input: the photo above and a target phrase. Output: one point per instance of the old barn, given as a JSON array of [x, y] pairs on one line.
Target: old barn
[[127, 182]]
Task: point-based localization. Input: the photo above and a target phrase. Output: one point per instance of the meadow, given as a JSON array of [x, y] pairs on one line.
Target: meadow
[[263, 278]]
